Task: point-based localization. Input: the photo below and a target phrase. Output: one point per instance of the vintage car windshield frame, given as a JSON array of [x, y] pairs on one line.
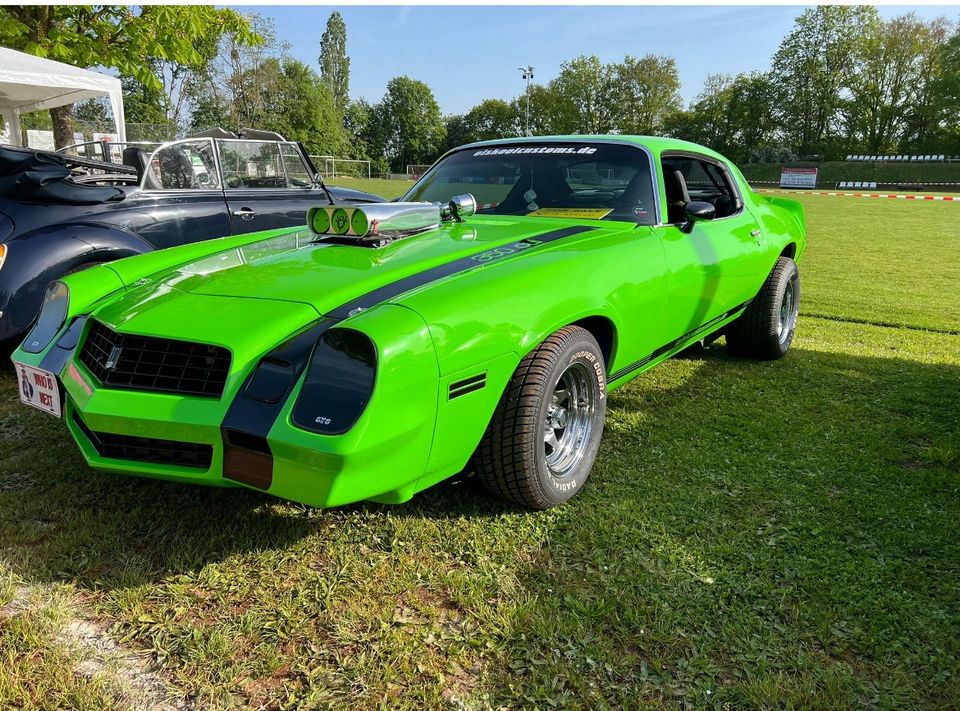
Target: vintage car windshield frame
[[216, 157]]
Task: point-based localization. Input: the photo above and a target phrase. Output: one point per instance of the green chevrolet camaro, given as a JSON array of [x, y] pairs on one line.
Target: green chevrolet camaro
[[477, 323]]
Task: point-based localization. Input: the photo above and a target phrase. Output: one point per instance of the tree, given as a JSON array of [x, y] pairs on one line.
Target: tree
[[121, 37], [945, 94], [732, 115], [587, 88], [932, 121], [239, 80], [408, 125], [94, 111], [143, 104], [334, 62], [491, 118], [814, 65], [357, 122], [646, 93], [889, 87], [709, 120], [302, 109], [549, 113]]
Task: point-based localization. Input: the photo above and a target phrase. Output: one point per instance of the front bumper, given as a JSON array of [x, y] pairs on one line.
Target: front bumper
[[382, 457]]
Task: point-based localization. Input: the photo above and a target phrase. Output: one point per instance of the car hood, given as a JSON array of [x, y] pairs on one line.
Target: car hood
[[292, 267]]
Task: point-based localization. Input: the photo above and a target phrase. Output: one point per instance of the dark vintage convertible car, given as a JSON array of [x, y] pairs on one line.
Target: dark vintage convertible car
[[61, 213]]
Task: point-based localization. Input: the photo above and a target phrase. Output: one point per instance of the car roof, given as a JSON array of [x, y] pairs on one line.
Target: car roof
[[656, 144]]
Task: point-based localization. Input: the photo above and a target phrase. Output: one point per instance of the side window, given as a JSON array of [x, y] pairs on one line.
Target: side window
[[298, 175], [687, 179], [251, 164], [183, 166]]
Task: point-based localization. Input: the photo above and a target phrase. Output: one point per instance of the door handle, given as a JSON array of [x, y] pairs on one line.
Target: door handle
[[244, 213]]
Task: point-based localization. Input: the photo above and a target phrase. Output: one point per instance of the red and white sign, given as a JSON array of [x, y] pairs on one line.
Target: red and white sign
[[798, 177], [39, 389]]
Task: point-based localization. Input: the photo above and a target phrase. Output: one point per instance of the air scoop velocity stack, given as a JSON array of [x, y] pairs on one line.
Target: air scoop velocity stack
[[378, 224]]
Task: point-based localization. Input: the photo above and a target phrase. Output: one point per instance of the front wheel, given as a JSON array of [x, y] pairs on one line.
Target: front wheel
[[766, 328], [543, 438]]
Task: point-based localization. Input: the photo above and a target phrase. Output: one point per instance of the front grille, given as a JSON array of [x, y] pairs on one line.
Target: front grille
[[147, 449], [143, 363]]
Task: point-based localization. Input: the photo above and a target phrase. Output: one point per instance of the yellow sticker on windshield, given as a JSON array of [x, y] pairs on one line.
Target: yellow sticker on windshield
[[584, 213]]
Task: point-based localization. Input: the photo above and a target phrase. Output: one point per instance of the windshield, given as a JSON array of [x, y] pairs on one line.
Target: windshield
[[593, 181]]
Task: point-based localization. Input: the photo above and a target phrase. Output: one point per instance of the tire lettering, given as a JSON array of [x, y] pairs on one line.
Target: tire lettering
[[597, 368]]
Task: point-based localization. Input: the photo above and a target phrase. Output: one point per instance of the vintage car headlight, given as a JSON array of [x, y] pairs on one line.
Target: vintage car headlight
[[339, 382], [52, 316]]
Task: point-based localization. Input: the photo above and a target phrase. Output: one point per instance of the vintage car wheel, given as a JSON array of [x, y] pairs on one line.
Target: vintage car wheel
[[766, 329], [541, 443]]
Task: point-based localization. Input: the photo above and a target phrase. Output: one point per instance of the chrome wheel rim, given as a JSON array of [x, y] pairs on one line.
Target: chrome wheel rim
[[789, 307], [568, 422]]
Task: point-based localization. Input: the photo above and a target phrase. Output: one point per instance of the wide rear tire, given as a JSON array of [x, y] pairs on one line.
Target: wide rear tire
[[543, 438], [766, 328]]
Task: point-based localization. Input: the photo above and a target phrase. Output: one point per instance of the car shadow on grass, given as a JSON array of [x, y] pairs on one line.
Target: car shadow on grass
[[755, 535], [61, 521]]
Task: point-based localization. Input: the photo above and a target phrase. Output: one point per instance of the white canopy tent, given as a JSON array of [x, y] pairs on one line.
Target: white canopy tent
[[29, 83]]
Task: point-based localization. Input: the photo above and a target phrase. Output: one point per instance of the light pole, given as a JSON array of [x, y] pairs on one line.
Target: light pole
[[527, 75]]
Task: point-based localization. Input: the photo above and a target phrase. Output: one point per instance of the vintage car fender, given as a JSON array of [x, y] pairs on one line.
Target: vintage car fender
[[37, 257]]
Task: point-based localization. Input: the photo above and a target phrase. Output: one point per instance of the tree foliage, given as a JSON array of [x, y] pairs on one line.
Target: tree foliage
[[334, 62], [646, 92], [587, 87], [406, 126], [128, 38], [816, 61], [843, 80]]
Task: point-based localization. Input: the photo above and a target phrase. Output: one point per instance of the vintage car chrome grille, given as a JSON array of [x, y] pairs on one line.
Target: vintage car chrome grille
[[147, 449], [144, 363]]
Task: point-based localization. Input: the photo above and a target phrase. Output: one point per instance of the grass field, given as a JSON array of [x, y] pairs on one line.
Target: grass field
[[754, 535], [378, 186]]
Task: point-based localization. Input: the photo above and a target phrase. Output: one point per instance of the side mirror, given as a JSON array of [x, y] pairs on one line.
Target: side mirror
[[695, 212]]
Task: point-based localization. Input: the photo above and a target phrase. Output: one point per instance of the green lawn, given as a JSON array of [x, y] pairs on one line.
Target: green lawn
[[754, 535], [378, 186]]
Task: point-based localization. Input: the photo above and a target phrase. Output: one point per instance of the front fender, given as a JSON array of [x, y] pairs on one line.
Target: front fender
[[40, 256]]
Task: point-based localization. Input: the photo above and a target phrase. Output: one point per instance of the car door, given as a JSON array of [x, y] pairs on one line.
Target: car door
[[719, 264], [180, 199], [266, 183]]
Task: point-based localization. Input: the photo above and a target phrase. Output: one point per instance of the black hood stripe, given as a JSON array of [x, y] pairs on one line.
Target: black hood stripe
[[247, 457], [457, 266]]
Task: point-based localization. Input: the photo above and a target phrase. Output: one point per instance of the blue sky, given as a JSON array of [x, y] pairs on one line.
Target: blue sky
[[467, 54]]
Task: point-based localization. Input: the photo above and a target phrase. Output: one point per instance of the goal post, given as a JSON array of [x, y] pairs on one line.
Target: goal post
[[415, 171], [333, 167]]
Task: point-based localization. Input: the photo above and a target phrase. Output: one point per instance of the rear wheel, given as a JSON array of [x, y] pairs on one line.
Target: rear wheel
[[543, 438], [766, 328]]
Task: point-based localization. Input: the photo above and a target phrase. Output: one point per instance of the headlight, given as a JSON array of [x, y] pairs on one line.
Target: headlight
[[52, 316], [339, 382], [3, 254]]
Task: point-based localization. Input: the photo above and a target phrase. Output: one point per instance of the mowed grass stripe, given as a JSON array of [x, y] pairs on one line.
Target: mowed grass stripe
[[883, 261], [754, 535]]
